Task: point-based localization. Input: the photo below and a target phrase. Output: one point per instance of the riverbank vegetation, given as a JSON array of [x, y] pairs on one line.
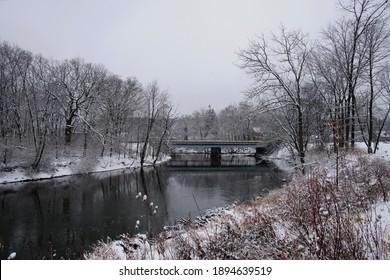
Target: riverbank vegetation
[[330, 212]]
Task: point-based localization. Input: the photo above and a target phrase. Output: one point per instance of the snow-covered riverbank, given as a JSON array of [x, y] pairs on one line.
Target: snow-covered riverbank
[[73, 166], [327, 213]]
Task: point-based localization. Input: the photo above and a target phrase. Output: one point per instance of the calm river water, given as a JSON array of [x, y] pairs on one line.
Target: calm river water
[[62, 218]]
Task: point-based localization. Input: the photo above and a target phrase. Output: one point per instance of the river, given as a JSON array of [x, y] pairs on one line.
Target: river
[[61, 218]]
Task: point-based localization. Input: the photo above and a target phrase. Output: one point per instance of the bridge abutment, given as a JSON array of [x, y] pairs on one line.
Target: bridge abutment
[[259, 152], [215, 156]]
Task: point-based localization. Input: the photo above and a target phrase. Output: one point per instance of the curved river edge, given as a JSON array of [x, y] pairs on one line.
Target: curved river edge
[[78, 166], [327, 213]]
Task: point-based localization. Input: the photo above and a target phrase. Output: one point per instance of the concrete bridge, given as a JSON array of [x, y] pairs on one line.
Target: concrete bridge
[[215, 146]]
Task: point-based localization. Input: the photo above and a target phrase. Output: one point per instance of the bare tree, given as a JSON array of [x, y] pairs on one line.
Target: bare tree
[[362, 16], [182, 128], [78, 85], [230, 125], [330, 83], [165, 123], [346, 66], [211, 123], [14, 68], [376, 44], [279, 66], [384, 106], [199, 123], [40, 105], [154, 99], [237, 122], [117, 106]]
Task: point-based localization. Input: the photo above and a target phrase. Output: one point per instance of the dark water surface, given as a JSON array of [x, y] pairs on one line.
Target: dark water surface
[[62, 218]]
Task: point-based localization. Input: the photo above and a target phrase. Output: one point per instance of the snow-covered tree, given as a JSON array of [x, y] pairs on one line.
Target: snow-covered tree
[[279, 67]]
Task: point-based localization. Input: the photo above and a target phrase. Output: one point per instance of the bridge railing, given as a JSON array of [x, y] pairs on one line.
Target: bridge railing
[[215, 142]]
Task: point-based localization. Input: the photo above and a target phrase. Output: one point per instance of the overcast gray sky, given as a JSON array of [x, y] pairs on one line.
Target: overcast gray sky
[[187, 46]]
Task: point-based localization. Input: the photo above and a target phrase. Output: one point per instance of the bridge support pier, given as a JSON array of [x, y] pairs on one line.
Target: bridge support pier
[[215, 151], [215, 156]]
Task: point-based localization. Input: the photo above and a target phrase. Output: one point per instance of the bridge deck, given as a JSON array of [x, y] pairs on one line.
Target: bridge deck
[[215, 143]]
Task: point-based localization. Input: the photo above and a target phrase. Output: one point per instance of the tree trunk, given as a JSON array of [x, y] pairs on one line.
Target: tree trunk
[[159, 147], [348, 119], [301, 143], [381, 129], [56, 139], [370, 108], [85, 131], [353, 121], [68, 131], [146, 143], [5, 156], [41, 148], [85, 147]]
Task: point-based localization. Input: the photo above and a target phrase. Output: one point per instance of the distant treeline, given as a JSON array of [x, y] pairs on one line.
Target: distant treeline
[[51, 108]]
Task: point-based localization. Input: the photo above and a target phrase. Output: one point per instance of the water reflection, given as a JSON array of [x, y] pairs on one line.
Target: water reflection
[[61, 218]]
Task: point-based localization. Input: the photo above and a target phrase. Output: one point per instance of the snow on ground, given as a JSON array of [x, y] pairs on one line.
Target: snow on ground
[[118, 248], [66, 167], [284, 160], [382, 152], [381, 214]]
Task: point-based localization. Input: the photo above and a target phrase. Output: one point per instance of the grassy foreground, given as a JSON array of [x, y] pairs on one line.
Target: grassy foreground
[[331, 212]]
